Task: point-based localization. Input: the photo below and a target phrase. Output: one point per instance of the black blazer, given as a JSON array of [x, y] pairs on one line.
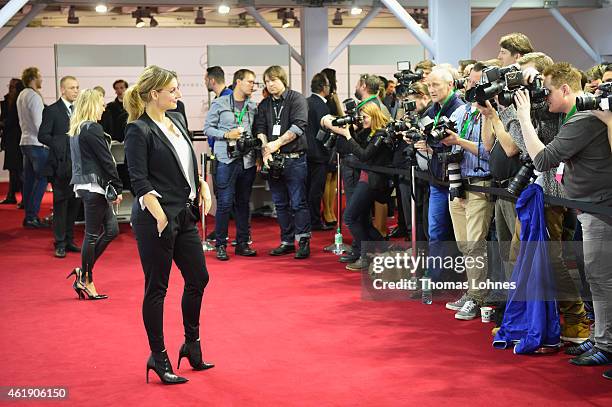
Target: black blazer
[[53, 132], [92, 160], [317, 108], [154, 164], [180, 108]]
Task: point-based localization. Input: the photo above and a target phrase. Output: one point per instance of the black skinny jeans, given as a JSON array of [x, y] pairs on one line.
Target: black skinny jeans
[[100, 229], [358, 216]]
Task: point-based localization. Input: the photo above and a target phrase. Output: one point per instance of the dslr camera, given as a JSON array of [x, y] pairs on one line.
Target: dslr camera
[[524, 176], [602, 100], [329, 138], [274, 168], [406, 77]]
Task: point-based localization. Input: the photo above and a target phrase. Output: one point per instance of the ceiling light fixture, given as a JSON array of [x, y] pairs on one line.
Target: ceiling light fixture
[[356, 10], [101, 8], [200, 17], [140, 22], [72, 18], [296, 23], [285, 23], [153, 22], [224, 8], [290, 14], [337, 17]]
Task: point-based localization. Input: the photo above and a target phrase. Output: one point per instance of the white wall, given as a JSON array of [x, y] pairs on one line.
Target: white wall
[[184, 50]]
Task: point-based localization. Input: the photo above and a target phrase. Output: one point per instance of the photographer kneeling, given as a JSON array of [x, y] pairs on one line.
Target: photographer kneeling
[[372, 186], [582, 152]]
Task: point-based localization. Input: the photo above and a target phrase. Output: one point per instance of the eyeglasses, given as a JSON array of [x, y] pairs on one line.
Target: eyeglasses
[[172, 91]]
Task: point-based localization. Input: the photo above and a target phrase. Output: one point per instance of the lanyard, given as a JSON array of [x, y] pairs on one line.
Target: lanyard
[[360, 105], [277, 114], [570, 114], [240, 115], [442, 108], [466, 123]]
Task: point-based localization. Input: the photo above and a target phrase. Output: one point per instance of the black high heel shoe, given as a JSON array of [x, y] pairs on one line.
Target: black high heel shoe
[[160, 364], [87, 294], [193, 353], [77, 276]]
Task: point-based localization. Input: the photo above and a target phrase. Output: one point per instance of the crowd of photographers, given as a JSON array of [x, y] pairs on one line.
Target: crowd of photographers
[[505, 123]]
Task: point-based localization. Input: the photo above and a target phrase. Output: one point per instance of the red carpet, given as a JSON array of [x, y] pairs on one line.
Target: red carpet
[[281, 332]]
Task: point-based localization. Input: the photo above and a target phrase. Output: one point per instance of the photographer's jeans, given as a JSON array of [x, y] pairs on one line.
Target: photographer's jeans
[[234, 184], [358, 218], [289, 197], [440, 225], [34, 183], [597, 235]]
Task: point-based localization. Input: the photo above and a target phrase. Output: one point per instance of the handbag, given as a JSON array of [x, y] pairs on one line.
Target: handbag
[[110, 192]]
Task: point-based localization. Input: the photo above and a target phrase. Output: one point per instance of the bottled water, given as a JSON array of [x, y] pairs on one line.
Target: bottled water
[[427, 294]]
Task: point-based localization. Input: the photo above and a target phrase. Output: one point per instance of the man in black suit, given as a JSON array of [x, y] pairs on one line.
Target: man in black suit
[[318, 156], [53, 132], [115, 117]]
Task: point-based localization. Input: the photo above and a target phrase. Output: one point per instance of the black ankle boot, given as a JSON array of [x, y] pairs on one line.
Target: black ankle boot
[[303, 251], [193, 353], [159, 362]]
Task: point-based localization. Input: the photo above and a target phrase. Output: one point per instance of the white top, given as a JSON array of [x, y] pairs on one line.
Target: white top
[[30, 107], [321, 97], [91, 187], [181, 146]]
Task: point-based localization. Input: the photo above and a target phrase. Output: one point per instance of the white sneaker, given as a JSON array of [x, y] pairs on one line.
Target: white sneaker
[[469, 311], [457, 305]]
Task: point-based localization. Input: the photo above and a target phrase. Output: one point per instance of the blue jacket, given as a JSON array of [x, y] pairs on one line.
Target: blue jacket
[[531, 319]]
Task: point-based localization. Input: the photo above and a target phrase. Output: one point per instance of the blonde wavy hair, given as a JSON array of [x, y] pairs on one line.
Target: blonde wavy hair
[[379, 120], [138, 95], [88, 107]]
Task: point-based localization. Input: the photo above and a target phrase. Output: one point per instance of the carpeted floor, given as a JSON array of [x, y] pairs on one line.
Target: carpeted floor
[[281, 332]]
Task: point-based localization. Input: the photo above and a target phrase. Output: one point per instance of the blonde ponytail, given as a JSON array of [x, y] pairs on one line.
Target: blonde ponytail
[[88, 106], [133, 103]]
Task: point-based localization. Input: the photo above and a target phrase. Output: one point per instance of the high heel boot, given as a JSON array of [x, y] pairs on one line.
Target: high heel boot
[[160, 364], [193, 353]]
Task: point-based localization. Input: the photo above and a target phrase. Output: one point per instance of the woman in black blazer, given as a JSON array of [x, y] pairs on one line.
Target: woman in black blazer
[[93, 168], [164, 175]]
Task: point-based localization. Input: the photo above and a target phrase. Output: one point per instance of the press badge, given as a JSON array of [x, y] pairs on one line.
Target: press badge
[[276, 130], [559, 173]]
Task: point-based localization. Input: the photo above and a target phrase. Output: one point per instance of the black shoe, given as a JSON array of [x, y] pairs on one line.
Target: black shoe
[[60, 252], [608, 374], [349, 258], [321, 227], [398, 232], [71, 247], [593, 357], [20, 205], [358, 265], [222, 253], [577, 350], [33, 224], [282, 249], [8, 201], [193, 353], [212, 236], [303, 251], [243, 249], [159, 362]]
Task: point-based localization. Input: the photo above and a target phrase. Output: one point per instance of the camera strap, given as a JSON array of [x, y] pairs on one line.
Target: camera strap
[[570, 114], [467, 119], [362, 103], [239, 116], [277, 113], [442, 108]]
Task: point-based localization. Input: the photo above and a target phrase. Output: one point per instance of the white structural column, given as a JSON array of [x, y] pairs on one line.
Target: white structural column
[[314, 41], [23, 23], [452, 31], [575, 35]]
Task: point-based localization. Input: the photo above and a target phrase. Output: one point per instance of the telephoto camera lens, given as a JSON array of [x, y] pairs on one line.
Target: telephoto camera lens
[[456, 185], [522, 178]]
